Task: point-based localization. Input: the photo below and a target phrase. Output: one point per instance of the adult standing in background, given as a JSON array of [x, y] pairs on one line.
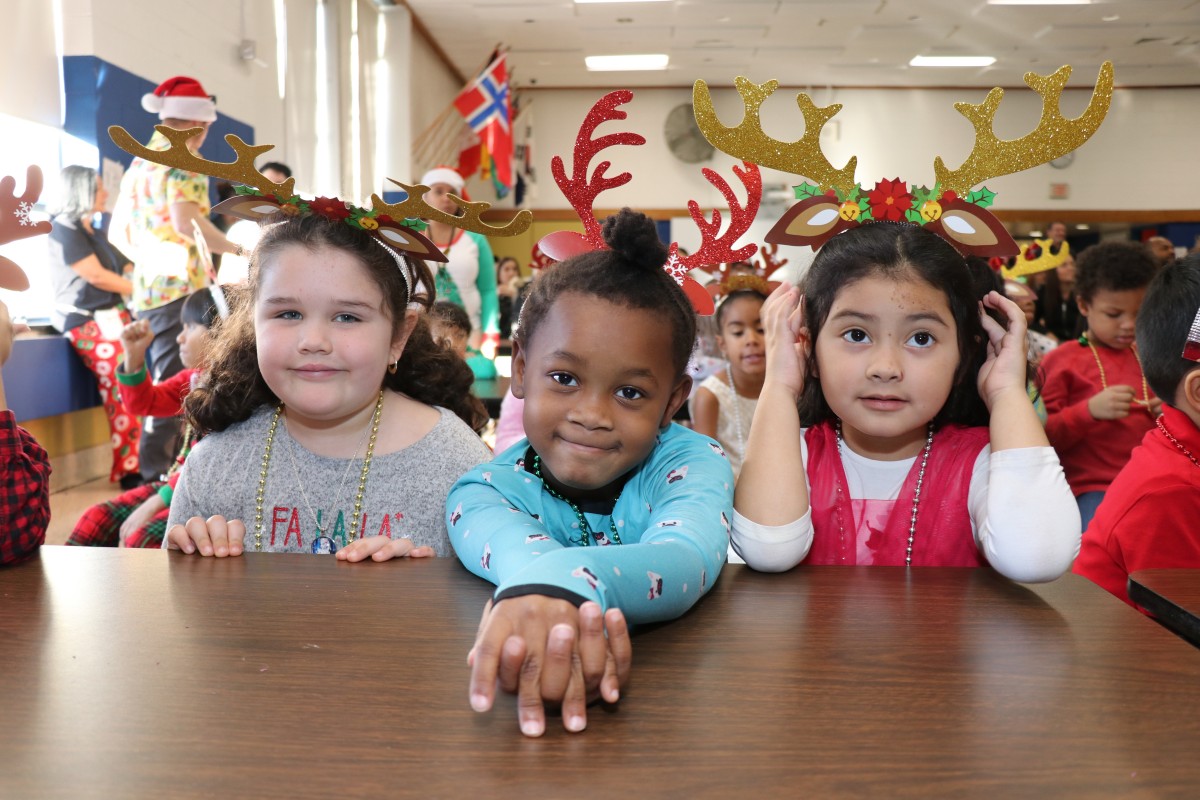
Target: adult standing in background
[[1162, 249], [153, 222], [468, 279], [88, 274]]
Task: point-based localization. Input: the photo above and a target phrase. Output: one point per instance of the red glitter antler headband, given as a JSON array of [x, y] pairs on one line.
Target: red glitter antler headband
[[16, 223], [835, 202], [582, 188]]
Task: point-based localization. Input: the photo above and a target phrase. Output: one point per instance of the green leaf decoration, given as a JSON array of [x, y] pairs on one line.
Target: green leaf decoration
[[806, 190], [865, 211], [981, 197], [912, 215], [920, 195], [856, 193], [241, 188]]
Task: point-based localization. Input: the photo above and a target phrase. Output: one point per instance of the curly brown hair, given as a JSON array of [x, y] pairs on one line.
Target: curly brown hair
[[429, 373]]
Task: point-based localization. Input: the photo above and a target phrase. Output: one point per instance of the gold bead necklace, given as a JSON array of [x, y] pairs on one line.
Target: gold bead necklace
[[1145, 401], [362, 480]]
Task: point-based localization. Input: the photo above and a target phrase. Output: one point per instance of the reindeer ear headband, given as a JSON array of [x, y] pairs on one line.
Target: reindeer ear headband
[[396, 226], [16, 223], [581, 190], [952, 209]]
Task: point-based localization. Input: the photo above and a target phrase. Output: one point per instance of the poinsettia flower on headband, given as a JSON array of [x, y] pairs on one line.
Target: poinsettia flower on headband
[[889, 200], [330, 208]]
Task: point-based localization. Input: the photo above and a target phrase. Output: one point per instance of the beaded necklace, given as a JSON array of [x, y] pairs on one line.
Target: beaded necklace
[[1145, 401], [1162, 427], [585, 529], [912, 522], [362, 480]]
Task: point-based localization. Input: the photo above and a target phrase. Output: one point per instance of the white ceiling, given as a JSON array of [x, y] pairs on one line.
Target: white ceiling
[[820, 42]]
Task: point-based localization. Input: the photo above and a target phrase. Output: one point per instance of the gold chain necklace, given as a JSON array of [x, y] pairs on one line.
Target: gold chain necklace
[[362, 481], [1145, 401]]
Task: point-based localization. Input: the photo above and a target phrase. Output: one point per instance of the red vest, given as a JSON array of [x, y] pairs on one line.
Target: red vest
[[943, 534]]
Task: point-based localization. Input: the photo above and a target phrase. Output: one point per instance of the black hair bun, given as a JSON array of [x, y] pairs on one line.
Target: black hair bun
[[634, 237]]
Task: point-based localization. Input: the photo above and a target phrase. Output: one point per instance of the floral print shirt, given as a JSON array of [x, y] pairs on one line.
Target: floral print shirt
[[166, 266]]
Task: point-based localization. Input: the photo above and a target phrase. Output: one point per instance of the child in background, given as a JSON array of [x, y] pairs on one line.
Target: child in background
[[450, 325], [897, 369], [1098, 402], [1148, 517], [138, 517], [24, 473], [1038, 343], [723, 406], [607, 513], [324, 379]]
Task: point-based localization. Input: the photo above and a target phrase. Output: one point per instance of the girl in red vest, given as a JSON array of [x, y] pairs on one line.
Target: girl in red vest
[[915, 443]]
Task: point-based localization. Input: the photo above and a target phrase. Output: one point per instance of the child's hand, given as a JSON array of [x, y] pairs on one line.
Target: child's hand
[[136, 339], [211, 537], [547, 651], [787, 338], [1154, 406], [382, 548], [1112, 403], [1006, 365], [141, 516]]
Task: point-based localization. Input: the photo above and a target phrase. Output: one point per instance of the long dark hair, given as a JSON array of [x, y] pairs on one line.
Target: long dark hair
[[428, 373], [899, 252]]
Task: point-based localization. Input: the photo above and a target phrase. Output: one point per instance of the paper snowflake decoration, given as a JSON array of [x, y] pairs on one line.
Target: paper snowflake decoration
[[24, 213]]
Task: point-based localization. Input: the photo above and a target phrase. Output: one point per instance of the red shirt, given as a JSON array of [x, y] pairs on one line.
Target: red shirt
[[1148, 518], [24, 491], [163, 399], [1092, 451]]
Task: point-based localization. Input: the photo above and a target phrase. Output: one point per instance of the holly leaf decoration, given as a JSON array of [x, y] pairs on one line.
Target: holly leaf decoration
[[981, 197], [920, 195], [807, 190], [855, 194], [242, 188], [913, 215], [864, 206]]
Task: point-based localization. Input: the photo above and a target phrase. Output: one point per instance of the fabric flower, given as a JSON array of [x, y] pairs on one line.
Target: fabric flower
[[330, 208], [889, 200]]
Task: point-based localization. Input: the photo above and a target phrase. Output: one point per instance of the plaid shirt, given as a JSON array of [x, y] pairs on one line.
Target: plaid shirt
[[24, 491], [166, 266]]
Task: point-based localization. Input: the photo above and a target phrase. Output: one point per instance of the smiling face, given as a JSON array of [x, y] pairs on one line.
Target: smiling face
[[887, 356], [1112, 316], [741, 338], [323, 335], [598, 383]]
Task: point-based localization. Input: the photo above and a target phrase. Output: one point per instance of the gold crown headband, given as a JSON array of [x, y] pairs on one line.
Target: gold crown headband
[[951, 209], [397, 226]]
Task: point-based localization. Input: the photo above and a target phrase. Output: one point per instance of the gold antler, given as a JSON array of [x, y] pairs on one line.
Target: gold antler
[[1054, 136], [240, 170], [748, 141], [415, 207]]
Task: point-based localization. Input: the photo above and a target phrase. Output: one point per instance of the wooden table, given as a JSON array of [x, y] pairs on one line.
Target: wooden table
[[128, 673], [1172, 596]]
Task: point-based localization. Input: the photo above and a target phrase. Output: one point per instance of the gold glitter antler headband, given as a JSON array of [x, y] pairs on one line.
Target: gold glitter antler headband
[[240, 170], [835, 202], [414, 206], [398, 226]]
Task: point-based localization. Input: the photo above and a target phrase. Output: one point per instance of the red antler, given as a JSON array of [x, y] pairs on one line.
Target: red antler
[[715, 249], [581, 190]]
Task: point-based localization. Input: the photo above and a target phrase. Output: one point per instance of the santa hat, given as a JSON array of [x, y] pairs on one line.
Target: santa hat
[[448, 176], [181, 98]]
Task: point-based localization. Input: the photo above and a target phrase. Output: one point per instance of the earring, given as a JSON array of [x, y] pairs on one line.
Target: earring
[[393, 367]]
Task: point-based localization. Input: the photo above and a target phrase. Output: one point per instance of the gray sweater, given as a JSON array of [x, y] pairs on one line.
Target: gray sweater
[[405, 493]]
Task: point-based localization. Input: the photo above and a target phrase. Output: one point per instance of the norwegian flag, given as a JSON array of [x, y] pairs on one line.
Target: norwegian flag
[[487, 108]]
